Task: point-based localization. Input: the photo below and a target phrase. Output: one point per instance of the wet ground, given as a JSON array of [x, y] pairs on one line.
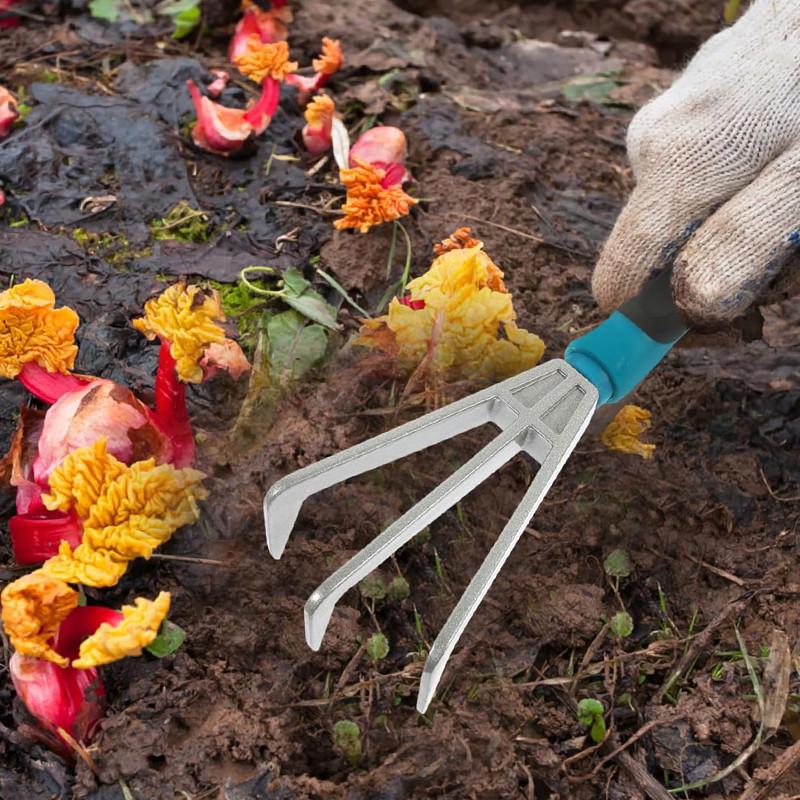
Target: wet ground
[[499, 140]]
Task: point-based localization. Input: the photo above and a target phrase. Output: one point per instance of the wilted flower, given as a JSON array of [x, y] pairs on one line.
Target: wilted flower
[[375, 179], [124, 517], [319, 122], [58, 646], [458, 240], [8, 105], [457, 322], [328, 63], [270, 26], [623, 432]]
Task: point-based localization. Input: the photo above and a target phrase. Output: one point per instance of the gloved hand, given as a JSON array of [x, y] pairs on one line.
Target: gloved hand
[[716, 160]]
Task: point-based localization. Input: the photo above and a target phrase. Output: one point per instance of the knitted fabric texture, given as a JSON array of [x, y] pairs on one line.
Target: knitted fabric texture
[[716, 160]]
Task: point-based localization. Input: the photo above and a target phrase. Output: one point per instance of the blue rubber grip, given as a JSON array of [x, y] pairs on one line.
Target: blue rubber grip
[[616, 357], [621, 352]]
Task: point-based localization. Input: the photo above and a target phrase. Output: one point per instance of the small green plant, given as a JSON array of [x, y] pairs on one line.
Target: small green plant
[[186, 15], [617, 564], [398, 589], [347, 740], [372, 587], [183, 224], [621, 624], [377, 647], [590, 715]]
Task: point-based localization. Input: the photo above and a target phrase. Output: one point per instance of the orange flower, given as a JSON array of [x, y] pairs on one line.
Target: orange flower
[[33, 608], [458, 240], [331, 59], [319, 116], [369, 200], [260, 61], [623, 432]]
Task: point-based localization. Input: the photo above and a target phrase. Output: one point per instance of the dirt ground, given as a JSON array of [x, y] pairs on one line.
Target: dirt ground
[[711, 525]]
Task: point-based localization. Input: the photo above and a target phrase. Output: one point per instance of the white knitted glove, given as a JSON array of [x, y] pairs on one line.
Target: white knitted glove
[[717, 165]]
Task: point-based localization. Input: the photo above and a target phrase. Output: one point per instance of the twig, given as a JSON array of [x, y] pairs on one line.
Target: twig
[[723, 573], [515, 231], [760, 786], [321, 211], [190, 559], [772, 494]]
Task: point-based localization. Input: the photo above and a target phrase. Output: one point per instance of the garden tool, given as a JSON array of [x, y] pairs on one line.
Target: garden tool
[[542, 412]]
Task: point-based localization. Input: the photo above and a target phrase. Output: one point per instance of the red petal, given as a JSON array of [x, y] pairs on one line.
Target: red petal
[[36, 537], [49, 386], [171, 411], [68, 698], [416, 305], [81, 623], [381, 146], [218, 129]]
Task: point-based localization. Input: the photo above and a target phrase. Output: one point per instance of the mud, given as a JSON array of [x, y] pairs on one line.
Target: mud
[[244, 709]]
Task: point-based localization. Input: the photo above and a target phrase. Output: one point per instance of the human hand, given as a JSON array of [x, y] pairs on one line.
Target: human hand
[[716, 160]]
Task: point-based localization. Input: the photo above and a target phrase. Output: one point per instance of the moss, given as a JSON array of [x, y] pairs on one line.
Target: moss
[[246, 309], [183, 224], [111, 247]]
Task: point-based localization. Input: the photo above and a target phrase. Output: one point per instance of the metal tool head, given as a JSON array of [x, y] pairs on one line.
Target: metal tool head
[[542, 412]]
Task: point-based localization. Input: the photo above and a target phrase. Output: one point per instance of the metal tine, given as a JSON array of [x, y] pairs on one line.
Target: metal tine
[[486, 461], [482, 580], [283, 500]]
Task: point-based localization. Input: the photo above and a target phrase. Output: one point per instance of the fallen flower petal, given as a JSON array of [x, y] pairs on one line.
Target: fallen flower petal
[[33, 331], [369, 201], [36, 536], [319, 122], [33, 608], [270, 26], [226, 356], [328, 63], [457, 323], [623, 432], [138, 628], [8, 104], [219, 84], [383, 146]]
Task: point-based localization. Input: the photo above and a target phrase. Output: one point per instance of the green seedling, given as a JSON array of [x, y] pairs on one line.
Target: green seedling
[[377, 647], [170, 637], [347, 740], [398, 589], [372, 587], [186, 15], [621, 624], [617, 564], [590, 715]]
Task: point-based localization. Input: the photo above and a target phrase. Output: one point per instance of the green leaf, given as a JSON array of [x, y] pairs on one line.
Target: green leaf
[[299, 295], [377, 647], [594, 88], [186, 22], [399, 589], [622, 624], [372, 587], [590, 715], [347, 740], [294, 346], [617, 564], [170, 638], [105, 9]]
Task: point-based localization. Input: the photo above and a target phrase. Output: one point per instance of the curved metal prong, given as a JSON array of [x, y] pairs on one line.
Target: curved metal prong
[[579, 407], [283, 500], [486, 461]]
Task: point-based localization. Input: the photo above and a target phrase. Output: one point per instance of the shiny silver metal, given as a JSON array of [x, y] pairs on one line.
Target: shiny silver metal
[[542, 412]]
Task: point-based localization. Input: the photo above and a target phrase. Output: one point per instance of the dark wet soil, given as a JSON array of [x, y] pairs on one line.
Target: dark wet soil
[[711, 525]]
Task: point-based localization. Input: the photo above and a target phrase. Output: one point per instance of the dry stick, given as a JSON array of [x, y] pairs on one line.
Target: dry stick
[[760, 787], [515, 231], [644, 780], [723, 573], [190, 559], [700, 641], [775, 496]]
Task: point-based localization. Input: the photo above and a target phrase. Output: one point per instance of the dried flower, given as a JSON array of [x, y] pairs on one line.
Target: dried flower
[[450, 325], [138, 629], [128, 516], [623, 432], [319, 115], [370, 201], [33, 608], [328, 63], [8, 106]]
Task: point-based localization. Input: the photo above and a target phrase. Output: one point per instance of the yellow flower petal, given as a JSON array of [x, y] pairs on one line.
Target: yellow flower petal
[[260, 60], [81, 478], [319, 112], [131, 514], [623, 432], [331, 58], [186, 317], [136, 631], [464, 331], [33, 329], [33, 608]]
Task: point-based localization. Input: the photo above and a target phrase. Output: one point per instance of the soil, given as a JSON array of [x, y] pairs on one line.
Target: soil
[[711, 525]]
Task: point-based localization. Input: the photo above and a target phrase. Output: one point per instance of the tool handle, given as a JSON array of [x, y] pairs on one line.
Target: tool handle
[[622, 351]]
